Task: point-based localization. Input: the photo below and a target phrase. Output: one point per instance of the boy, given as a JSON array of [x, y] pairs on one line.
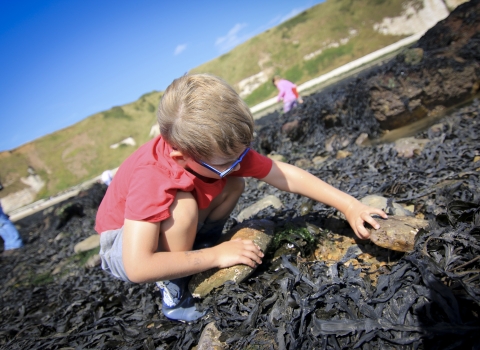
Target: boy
[[168, 202], [287, 91]]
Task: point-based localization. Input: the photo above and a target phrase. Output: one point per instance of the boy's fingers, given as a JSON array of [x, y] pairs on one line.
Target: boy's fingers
[[372, 222], [362, 232], [254, 257], [382, 213], [247, 260]]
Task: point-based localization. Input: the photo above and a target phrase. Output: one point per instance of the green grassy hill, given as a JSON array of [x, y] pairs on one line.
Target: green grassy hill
[[342, 29]]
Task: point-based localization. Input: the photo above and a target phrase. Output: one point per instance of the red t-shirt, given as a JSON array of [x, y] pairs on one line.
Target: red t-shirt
[[146, 184]]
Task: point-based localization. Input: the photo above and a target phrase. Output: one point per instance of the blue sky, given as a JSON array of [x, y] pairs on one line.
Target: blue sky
[[62, 61]]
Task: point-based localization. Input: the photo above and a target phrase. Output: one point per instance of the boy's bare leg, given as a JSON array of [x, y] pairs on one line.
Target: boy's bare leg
[[178, 232]]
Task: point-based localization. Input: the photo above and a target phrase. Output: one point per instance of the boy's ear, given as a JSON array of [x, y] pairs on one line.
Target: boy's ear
[[179, 157]]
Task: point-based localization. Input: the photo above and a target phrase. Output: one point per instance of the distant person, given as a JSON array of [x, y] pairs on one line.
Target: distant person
[[107, 177], [9, 233], [287, 92], [161, 218]]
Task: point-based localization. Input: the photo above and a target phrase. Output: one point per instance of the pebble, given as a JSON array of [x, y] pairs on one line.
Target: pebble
[[87, 244], [265, 202]]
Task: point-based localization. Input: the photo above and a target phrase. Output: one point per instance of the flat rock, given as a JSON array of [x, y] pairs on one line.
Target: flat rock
[[87, 244], [260, 232], [263, 203], [209, 340], [93, 261], [397, 232], [408, 146], [386, 204]]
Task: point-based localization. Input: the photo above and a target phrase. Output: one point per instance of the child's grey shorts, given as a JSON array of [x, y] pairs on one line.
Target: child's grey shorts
[[111, 253], [111, 248]]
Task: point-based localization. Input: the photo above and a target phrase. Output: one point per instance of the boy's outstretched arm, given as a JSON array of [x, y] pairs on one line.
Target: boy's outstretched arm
[[290, 178], [144, 263]]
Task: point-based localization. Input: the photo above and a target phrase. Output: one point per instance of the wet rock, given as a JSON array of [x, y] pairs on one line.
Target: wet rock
[[313, 229], [318, 160], [442, 69], [343, 154], [397, 232], [286, 249], [250, 211], [60, 236], [87, 244], [406, 100], [388, 205], [413, 56], [336, 142], [361, 139], [306, 207], [387, 104], [209, 340], [408, 146], [93, 261], [59, 267], [278, 157], [435, 130], [260, 232], [303, 163], [475, 160]]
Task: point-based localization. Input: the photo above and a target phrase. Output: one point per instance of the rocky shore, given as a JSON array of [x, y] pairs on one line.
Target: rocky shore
[[319, 286]]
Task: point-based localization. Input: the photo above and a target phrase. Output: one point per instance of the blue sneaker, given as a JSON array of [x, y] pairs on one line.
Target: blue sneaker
[[177, 301]]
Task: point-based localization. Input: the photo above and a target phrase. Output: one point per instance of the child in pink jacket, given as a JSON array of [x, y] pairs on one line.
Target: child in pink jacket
[[287, 92]]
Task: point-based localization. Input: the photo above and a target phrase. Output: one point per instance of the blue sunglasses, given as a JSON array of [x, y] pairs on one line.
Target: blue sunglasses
[[224, 173]]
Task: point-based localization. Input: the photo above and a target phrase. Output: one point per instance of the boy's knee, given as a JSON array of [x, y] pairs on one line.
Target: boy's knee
[[177, 233], [185, 206], [183, 214]]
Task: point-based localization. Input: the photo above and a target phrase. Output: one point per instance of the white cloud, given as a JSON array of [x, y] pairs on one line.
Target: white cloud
[[179, 49], [282, 18], [291, 14], [232, 38]]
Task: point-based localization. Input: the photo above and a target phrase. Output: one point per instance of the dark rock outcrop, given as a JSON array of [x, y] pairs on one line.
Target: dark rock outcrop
[[440, 71]]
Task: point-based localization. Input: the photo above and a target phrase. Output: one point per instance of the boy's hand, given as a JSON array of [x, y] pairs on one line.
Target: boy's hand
[[238, 251], [358, 213]]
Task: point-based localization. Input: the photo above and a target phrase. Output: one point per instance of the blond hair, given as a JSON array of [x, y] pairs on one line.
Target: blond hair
[[201, 115]]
